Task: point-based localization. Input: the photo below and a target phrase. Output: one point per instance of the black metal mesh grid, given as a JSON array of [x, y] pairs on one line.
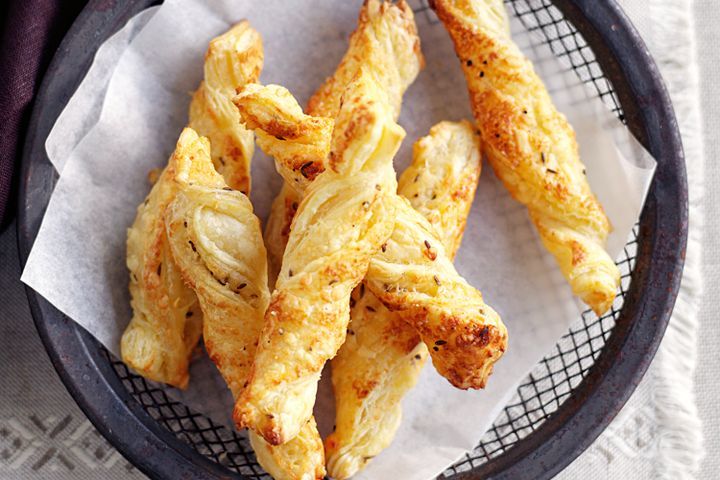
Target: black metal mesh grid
[[544, 390]]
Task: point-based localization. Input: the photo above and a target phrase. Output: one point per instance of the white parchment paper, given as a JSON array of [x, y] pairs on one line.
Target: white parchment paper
[[83, 109], [78, 260]]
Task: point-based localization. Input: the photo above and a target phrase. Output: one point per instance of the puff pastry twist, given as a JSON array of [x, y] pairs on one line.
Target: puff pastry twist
[[385, 43], [232, 60], [167, 322], [412, 274], [382, 357], [217, 244], [344, 217], [532, 148]]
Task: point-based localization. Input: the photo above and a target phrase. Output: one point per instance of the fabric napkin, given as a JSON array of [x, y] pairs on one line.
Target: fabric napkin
[[31, 32]]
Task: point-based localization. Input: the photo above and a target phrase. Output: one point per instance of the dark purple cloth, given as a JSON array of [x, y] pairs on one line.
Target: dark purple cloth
[[31, 32]]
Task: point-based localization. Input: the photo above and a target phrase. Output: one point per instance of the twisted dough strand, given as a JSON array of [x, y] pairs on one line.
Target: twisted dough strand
[[385, 43], [383, 356], [413, 273], [233, 59], [342, 220], [167, 322], [532, 148], [217, 244]]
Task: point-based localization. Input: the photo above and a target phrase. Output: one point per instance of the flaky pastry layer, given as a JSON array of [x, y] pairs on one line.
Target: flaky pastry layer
[[412, 274], [342, 220], [217, 244], [382, 357], [532, 147], [233, 59]]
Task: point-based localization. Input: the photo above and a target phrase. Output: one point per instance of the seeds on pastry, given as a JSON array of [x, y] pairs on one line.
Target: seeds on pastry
[[304, 167]]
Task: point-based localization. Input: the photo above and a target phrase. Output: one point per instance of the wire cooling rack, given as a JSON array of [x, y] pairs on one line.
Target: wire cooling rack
[[544, 390]]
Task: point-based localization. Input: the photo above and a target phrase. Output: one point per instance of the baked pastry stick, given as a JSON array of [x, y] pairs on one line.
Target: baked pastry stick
[[383, 356], [345, 216], [532, 148], [217, 244], [167, 322], [412, 274], [386, 44], [232, 60]]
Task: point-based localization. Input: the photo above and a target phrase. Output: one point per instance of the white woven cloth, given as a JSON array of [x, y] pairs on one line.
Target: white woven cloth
[[657, 435]]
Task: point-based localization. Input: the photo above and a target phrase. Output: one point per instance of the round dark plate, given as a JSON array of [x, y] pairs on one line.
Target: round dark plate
[[94, 382]]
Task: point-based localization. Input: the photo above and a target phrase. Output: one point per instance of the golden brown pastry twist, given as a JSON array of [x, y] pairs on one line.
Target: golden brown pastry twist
[[341, 222], [386, 43], [217, 244], [382, 356], [532, 148], [277, 228], [167, 323], [232, 60], [413, 273], [396, 64], [311, 141]]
